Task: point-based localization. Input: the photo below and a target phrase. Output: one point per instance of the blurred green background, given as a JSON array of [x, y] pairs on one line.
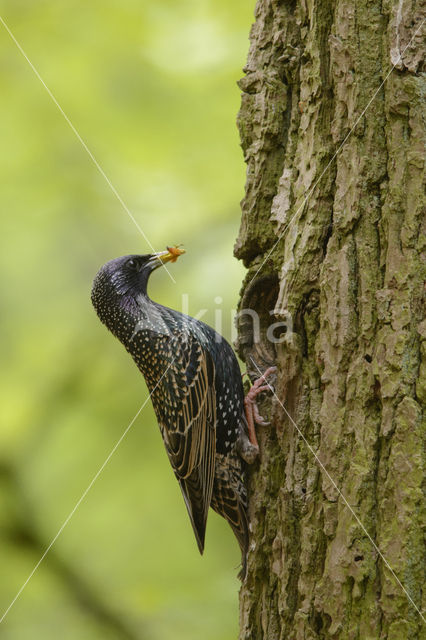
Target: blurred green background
[[151, 87]]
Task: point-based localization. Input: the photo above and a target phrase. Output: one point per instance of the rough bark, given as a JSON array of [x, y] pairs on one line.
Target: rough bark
[[337, 241]]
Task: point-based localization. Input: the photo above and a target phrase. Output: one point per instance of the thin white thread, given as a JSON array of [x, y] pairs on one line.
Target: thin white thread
[[344, 499], [84, 494], [310, 191], [84, 145]]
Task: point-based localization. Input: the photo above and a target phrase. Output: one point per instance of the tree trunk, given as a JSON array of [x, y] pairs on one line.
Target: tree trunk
[[331, 234]]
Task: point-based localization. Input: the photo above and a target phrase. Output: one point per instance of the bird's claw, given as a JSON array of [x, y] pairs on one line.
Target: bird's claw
[[257, 417], [251, 410]]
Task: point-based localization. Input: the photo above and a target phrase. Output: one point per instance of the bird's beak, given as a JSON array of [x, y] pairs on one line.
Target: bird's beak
[[171, 255]]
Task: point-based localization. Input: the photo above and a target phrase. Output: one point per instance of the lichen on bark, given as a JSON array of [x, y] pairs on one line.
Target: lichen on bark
[[332, 233]]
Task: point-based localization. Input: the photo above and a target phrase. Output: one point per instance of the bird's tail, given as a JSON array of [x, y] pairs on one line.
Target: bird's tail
[[227, 503]]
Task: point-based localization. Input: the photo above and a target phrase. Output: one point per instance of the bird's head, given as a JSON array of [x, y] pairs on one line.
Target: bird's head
[[122, 281]]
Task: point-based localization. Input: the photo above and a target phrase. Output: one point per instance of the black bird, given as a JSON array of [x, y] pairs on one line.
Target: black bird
[[196, 389]]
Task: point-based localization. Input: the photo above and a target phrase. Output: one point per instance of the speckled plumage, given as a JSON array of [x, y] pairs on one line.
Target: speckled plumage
[[195, 384]]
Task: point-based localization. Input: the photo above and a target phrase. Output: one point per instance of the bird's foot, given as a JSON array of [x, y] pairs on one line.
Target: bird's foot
[[251, 409]]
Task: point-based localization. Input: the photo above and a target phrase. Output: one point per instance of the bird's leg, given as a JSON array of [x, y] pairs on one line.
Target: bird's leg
[[251, 410]]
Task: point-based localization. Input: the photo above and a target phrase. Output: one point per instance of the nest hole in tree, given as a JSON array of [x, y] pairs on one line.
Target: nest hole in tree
[[254, 322]]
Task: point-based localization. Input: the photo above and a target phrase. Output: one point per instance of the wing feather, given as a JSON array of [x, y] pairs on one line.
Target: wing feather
[[190, 436]]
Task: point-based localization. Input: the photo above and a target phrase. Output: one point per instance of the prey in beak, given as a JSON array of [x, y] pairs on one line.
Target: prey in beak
[[171, 255]]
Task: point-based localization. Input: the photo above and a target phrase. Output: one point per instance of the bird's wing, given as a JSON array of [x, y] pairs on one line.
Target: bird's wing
[[188, 425]]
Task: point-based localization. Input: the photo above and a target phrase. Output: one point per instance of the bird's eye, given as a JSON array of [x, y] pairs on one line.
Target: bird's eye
[[131, 263]]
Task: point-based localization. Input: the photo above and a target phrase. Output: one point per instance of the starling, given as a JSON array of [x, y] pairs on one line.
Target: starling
[[195, 385]]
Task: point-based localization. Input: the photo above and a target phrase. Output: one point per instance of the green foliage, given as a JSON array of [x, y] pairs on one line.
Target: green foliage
[[151, 88]]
